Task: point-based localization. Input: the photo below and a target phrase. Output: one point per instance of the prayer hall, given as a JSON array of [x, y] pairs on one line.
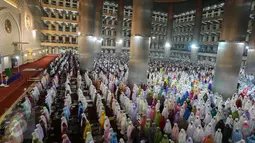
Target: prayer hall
[[127, 71]]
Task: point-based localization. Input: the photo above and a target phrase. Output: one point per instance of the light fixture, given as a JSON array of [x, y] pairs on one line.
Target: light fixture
[[79, 33], [247, 47], [167, 45], [25, 55], [153, 37], [34, 54], [95, 38], [39, 52], [193, 46], [101, 40], [120, 41], [17, 57], [34, 33]]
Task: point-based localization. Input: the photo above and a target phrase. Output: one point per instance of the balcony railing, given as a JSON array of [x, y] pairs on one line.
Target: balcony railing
[[59, 19], [45, 3], [58, 43]]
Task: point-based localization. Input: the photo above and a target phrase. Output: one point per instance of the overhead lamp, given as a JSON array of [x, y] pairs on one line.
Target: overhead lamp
[[193, 46], [101, 40], [79, 33], [17, 57], [247, 47], [167, 45], [120, 41], [25, 55], [153, 37]]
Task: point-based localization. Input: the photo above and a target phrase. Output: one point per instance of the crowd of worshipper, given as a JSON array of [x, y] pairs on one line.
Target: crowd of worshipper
[[31, 116], [176, 104]]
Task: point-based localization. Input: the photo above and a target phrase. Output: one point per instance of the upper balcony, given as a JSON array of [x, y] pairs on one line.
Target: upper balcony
[[184, 24], [211, 19], [54, 32], [58, 44], [109, 25], [59, 20], [55, 5]]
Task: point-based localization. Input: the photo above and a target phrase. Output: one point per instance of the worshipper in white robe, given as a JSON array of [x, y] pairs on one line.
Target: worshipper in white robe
[[189, 140], [208, 118], [123, 124], [129, 131], [168, 127], [191, 117], [191, 129], [197, 121], [209, 130], [165, 112], [229, 120], [242, 119], [182, 136], [218, 136], [199, 134], [40, 131]]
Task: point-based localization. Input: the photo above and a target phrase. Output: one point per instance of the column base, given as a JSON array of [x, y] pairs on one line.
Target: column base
[[250, 62], [86, 50], [228, 64], [139, 58]]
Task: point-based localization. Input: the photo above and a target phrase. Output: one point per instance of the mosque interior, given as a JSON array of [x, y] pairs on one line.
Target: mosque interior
[[127, 71]]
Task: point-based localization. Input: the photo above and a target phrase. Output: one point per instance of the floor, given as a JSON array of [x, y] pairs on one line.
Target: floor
[[10, 94]]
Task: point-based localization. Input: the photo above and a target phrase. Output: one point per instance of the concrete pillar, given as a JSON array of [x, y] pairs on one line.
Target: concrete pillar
[[71, 27], [86, 39], [70, 39], [250, 62], [56, 38], [231, 47], [64, 38], [64, 27], [98, 28], [57, 26], [49, 26], [49, 50], [196, 33], [50, 38], [119, 31], [168, 43], [140, 41]]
